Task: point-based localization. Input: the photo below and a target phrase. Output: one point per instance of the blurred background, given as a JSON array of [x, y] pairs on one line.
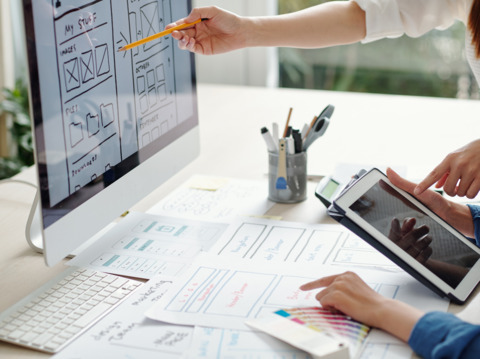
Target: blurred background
[[433, 65]]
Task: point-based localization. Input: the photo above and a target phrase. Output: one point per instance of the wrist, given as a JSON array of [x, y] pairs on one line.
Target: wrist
[[249, 25], [382, 311], [256, 31], [460, 217], [396, 318]]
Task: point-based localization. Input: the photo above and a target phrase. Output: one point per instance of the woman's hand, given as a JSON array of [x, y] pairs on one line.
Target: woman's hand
[[458, 173], [456, 214], [349, 294], [223, 31]]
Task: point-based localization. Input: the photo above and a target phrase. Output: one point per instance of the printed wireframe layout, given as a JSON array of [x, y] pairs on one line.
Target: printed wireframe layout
[[113, 104]]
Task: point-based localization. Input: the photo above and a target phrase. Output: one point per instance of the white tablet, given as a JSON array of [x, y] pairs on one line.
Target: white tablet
[[427, 247]]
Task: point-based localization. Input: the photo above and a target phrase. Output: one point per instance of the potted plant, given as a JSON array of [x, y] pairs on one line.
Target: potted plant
[[16, 104]]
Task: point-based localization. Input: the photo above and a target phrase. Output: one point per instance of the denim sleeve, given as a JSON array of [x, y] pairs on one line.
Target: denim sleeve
[[442, 335], [475, 211]]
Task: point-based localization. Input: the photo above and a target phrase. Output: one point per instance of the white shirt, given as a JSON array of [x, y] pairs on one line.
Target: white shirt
[[394, 18]]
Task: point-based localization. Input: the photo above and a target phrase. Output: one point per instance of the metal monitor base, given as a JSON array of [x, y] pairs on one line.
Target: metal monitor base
[[34, 233], [33, 229]]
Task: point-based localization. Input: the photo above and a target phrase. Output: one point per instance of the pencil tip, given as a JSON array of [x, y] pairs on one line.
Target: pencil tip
[[121, 49]]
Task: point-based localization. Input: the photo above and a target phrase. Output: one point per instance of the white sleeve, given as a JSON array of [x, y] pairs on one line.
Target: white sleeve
[[393, 18]]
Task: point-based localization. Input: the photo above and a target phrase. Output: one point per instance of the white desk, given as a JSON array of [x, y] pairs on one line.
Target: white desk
[[366, 129]]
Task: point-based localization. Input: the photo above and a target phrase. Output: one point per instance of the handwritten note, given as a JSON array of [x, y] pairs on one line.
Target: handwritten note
[[213, 198], [126, 332]]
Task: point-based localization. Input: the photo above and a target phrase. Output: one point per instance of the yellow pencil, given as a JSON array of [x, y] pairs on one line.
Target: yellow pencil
[[158, 35], [288, 123], [311, 126]]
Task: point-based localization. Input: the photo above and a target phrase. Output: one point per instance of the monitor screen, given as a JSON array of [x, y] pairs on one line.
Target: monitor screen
[[109, 126]]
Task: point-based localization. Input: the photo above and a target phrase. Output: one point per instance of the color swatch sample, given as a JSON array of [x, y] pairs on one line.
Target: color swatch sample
[[320, 320]]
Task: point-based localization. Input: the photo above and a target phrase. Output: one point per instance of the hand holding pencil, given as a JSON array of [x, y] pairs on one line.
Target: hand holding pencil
[[159, 35], [223, 32]]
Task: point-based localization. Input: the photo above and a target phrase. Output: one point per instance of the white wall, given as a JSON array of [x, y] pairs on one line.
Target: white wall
[[7, 53], [6, 69], [253, 66]]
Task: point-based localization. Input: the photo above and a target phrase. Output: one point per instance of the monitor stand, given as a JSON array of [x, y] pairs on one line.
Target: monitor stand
[[33, 230], [34, 233]]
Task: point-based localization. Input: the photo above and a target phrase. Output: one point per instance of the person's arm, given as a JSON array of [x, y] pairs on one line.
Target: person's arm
[[328, 24], [443, 335], [475, 211], [332, 23], [431, 335]]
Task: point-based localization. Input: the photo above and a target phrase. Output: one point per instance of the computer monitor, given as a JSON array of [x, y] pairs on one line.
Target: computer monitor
[[109, 127]]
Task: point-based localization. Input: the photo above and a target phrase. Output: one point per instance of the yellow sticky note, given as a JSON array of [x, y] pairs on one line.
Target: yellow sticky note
[[265, 216], [207, 183]]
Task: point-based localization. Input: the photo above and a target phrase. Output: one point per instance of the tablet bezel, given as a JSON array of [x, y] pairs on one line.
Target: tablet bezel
[[360, 187]]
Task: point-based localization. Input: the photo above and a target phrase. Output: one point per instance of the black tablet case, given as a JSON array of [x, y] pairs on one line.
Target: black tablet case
[[340, 217]]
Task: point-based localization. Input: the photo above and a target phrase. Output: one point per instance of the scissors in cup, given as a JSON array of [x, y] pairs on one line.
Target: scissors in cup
[[319, 127]]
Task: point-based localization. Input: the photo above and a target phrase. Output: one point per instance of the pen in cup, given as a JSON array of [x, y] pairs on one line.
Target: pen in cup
[[275, 133], [304, 130], [290, 145], [271, 146], [297, 140]]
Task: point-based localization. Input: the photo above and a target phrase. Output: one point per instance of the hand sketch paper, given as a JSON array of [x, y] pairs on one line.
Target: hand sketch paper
[[280, 241], [214, 198], [218, 343], [143, 245], [223, 293]]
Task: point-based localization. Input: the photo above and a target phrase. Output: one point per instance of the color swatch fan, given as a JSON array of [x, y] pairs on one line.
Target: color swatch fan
[[319, 332]]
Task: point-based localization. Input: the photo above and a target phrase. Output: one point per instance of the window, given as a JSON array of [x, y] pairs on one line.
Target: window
[[433, 65]]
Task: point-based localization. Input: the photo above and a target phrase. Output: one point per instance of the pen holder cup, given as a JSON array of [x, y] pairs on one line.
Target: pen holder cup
[[293, 187]]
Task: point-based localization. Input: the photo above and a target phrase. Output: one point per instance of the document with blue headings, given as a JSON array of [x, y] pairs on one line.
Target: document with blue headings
[[144, 245], [223, 293]]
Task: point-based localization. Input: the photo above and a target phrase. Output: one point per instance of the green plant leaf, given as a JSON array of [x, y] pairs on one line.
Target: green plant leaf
[[9, 167], [16, 104]]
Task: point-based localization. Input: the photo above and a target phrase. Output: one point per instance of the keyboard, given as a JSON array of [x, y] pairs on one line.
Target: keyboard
[[58, 312]]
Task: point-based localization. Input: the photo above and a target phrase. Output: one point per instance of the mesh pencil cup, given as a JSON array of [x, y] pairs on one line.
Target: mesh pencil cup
[[287, 177]]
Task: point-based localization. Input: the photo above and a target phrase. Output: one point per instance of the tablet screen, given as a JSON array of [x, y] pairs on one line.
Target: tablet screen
[[416, 233]]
